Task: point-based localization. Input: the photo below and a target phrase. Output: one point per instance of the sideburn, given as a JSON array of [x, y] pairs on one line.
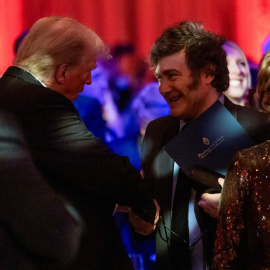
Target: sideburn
[[195, 82]]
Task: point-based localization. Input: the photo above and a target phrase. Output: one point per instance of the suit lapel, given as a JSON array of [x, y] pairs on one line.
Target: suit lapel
[[232, 108], [165, 165]]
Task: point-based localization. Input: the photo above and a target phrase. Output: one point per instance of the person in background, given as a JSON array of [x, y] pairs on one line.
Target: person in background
[[239, 72], [263, 82], [191, 68], [52, 65], [101, 91], [148, 105], [38, 229], [243, 229], [90, 111], [127, 74]]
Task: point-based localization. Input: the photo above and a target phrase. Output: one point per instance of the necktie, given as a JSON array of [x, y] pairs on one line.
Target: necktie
[[179, 248]]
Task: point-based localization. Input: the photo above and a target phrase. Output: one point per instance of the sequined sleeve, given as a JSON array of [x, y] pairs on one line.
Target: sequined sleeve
[[243, 229]]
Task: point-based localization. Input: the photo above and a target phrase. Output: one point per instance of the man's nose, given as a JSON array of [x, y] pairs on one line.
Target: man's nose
[[89, 80], [164, 87]]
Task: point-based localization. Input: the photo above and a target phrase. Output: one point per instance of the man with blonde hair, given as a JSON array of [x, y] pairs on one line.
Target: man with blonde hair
[[53, 63]]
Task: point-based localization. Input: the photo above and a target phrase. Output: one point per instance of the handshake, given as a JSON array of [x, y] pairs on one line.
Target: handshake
[[207, 182]]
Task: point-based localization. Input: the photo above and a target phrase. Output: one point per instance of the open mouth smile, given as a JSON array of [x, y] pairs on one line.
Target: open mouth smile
[[173, 99], [235, 82]]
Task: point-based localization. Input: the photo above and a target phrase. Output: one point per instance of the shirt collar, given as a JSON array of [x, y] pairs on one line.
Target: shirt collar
[[38, 80]]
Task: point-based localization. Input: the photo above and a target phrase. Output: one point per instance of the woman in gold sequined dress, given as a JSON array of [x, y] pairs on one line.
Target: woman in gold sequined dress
[[243, 230]]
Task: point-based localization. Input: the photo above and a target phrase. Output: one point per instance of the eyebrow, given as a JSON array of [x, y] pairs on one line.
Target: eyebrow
[[167, 71]]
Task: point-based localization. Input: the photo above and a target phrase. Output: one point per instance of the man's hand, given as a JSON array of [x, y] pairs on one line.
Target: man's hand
[[210, 202], [141, 226]]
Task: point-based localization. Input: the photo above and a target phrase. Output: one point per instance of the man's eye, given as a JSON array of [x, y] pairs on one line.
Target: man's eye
[[172, 76]]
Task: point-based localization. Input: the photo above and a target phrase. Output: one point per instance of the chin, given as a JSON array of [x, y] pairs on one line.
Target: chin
[[236, 92], [175, 114]]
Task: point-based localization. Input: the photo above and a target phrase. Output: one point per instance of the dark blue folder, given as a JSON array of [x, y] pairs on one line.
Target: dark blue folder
[[210, 141]]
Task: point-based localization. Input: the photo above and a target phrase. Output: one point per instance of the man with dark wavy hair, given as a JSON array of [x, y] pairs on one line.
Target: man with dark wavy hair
[[190, 66]]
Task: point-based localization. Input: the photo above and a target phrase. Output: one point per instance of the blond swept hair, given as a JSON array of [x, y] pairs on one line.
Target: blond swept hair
[[53, 41], [263, 82]]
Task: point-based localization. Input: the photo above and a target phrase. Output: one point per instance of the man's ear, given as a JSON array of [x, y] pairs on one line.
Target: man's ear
[[208, 73], [61, 73]]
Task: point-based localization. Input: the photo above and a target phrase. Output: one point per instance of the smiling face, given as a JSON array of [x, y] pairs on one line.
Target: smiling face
[[238, 72], [187, 97]]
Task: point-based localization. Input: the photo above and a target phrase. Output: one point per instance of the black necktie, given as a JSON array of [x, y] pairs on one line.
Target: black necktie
[[180, 252]]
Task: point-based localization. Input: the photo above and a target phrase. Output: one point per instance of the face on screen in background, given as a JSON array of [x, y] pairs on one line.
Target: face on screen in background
[[238, 72]]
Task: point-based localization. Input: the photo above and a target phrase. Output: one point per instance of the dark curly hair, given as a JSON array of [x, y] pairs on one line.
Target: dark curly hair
[[203, 51]]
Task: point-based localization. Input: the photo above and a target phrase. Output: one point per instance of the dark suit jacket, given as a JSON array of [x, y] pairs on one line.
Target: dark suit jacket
[[36, 230], [158, 170], [79, 165]]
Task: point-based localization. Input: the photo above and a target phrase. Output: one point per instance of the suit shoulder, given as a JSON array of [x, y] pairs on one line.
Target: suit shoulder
[[256, 123], [16, 92], [163, 122], [252, 111], [253, 115]]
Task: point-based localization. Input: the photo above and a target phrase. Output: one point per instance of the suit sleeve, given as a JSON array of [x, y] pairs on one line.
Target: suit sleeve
[[30, 211], [74, 157]]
